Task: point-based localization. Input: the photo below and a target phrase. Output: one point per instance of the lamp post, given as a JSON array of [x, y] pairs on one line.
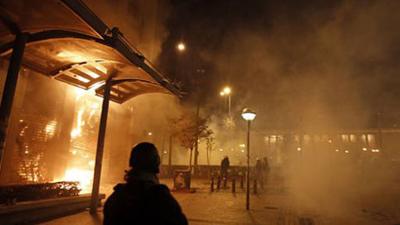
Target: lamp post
[[226, 91], [181, 47], [249, 116]]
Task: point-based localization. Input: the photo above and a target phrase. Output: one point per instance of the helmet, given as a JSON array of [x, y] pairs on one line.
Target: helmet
[[144, 157]]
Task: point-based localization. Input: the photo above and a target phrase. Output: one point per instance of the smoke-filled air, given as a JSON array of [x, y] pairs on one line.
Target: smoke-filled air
[[261, 112]]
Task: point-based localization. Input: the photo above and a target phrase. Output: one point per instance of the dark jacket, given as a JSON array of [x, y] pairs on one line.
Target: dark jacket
[[225, 164], [141, 203]]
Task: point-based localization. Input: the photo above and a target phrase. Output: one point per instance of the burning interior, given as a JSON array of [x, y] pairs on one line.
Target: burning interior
[[53, 127]]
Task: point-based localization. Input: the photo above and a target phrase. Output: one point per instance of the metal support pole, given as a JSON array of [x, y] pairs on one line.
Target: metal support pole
[[10, 87], [196, 145], [170, 156], [255, 183], [212, 184], [162, 150], [380, 136], [248, 167], [225, 181], [190, 160], [234, 185], [100, 147], [229, 105], [226, 102]]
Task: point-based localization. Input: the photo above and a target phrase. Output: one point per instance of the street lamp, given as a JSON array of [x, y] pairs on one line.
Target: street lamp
[[249, 116], [226, 91], [181, 46]]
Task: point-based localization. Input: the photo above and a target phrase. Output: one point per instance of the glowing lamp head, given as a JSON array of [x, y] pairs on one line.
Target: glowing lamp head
[[227, 90], [248, 115], [222, 93], [181, 47]]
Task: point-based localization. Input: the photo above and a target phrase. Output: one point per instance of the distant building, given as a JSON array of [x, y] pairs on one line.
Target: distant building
[[384, 143]]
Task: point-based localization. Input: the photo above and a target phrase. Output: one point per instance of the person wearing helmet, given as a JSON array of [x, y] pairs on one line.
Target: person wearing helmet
[[225, 167], [142, 199]]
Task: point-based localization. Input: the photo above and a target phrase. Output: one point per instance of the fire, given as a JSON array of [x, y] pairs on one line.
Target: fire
[[84, 177], [72, 56], [50, 129], [76, 132], [82, 138]]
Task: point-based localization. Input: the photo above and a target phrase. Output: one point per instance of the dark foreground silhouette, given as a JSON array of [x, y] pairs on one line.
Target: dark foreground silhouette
[[142, 200]]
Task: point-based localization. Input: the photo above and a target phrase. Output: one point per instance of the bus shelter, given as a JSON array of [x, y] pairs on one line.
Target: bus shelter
[[66, 41]]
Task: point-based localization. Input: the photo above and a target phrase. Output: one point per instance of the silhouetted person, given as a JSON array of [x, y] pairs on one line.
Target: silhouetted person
[[259, 172], [142, 199], [266, 169], [224, 167]]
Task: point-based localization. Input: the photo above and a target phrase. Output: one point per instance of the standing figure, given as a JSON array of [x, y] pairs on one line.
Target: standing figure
[[142, 199], [224, 167], [266, 169], [259, 173]]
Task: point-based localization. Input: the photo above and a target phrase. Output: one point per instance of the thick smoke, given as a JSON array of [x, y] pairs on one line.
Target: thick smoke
[[318, 69], [140, 21]]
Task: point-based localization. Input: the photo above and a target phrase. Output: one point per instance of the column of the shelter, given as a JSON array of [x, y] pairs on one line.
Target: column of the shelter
[[100, 147], [11, 157], [10, 87]]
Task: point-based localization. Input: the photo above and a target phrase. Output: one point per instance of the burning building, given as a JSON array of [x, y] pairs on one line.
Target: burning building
[[54, 129]]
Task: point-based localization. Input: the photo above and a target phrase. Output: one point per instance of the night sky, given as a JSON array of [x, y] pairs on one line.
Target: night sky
[[310, 64]]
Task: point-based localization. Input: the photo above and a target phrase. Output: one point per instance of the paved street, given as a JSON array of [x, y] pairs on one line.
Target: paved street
[[220, 207], [274, 206]]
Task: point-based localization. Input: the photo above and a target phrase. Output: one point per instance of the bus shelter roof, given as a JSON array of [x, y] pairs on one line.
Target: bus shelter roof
[[68, 42]]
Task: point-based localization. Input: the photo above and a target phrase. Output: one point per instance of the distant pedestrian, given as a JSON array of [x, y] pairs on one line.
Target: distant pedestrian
[[142, 199], [266, 169], [225, 167], [259, 172]]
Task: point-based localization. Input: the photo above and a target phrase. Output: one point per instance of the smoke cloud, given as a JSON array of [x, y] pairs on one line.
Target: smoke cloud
[[333, 65], [140, 21], [309, 68]]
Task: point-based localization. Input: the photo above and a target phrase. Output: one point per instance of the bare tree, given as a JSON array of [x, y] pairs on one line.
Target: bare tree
[[189, 129], [210, 147]]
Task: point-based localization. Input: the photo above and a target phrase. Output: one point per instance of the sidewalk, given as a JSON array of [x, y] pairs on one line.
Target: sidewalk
[[224, 207], [220, 207], [273, 206]]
